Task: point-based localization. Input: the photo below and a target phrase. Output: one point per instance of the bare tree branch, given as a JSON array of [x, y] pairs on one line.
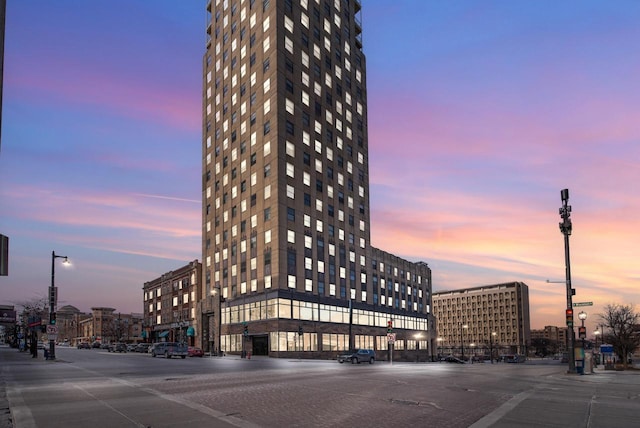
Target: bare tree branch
[[621, 321]]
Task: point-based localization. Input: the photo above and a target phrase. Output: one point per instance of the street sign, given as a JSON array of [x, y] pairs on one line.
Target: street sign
[[583, 304], [391, 337], [52, 329]]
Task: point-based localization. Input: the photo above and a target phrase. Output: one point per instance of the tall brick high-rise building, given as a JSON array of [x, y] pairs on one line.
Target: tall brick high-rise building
[[287, 258]]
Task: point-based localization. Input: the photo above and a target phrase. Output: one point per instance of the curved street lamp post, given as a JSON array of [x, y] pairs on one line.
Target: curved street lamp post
[[53, 301]]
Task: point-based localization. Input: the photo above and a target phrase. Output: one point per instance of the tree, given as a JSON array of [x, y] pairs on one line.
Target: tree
[[34, 311], [621, 320], [35, 306]]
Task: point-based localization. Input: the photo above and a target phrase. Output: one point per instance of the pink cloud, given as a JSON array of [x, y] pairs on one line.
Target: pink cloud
[[122, 95], [126, 223]]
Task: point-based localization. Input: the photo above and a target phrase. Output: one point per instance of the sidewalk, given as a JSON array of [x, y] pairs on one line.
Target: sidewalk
[[10, 356], [5, 412], [602, 399]]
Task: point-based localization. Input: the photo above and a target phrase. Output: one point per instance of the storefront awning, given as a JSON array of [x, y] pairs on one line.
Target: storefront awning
[[191, 331], [164, 333]]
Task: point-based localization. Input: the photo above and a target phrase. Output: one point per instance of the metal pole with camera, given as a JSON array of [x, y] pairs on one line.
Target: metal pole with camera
[[565, 228]]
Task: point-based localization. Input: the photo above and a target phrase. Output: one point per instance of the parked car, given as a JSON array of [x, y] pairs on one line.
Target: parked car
[[118, 347], [170, 349], [131, 347], [96, 345], [143, 347], [358, 356], [195, 352], [83, 345], [513, 358], [452, 359], [105, 346]]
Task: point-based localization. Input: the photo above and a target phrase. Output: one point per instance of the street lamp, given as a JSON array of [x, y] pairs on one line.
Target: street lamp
[[582, 333], [53, 300], [565, 228], [596, 334], [462, 340], [218, 301], [491, 336]]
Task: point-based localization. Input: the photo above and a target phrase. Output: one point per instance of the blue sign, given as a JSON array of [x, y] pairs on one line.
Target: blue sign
[[606, 349]]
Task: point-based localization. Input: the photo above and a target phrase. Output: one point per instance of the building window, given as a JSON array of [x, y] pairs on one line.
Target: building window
[[290, 128], [291, 262]]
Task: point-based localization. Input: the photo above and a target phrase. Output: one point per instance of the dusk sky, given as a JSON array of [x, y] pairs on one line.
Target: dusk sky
[[479, 114]]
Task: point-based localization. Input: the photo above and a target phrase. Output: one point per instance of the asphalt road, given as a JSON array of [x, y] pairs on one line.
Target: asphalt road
[[93, 388]]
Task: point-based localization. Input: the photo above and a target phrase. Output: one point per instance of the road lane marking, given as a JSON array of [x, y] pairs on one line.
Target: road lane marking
[[499, 413]]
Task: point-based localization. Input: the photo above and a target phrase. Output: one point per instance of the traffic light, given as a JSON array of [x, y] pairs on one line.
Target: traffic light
[[299, 330], [582, 332], [390, 326], [52, 318], [569, 317], [246, 330]]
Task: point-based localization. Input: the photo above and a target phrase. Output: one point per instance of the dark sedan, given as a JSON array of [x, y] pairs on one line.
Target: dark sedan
[[452, 359], [358, 356]]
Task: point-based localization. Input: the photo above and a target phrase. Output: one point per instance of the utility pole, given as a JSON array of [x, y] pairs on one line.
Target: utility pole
[[565, 228]]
